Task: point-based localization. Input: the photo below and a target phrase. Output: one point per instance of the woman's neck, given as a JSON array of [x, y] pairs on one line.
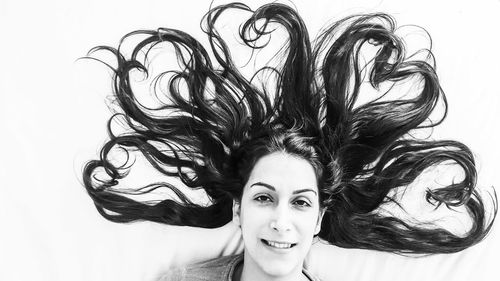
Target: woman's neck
[[249, 271]]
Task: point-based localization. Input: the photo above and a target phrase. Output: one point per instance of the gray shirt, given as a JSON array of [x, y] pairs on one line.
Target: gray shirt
[[219, 269]]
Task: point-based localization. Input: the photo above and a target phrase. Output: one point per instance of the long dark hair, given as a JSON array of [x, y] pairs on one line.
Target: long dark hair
[[212, 123]]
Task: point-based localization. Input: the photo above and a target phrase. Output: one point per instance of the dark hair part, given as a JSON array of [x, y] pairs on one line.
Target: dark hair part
[[279, 140], [212, 123]]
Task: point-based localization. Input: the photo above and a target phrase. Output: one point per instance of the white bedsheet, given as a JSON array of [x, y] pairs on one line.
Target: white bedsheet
[[52, 120]]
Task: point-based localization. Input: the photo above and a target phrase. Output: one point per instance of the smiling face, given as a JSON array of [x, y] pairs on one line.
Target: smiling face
[[279, 214]]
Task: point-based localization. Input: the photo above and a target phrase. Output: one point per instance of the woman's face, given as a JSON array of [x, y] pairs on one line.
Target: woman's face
[[279, 214]]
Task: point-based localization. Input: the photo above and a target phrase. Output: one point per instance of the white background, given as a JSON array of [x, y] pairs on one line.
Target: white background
[[53, 115]]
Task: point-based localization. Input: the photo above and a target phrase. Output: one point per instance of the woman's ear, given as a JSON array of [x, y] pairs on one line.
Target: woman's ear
[[320, 219], [236, 213]]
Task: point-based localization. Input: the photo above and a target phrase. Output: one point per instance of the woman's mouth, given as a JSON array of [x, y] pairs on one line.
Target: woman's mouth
[[278, 245]]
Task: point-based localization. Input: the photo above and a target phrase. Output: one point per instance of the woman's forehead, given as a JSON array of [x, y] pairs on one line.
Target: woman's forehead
[[284, 172]]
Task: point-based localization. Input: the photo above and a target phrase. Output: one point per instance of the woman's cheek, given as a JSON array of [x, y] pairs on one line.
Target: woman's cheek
[[306, 221], [254, 215]]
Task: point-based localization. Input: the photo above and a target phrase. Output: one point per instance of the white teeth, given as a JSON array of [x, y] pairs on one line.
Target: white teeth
[[279, 245]]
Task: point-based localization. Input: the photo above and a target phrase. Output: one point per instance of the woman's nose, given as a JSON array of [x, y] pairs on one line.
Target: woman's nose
[[281, 219]]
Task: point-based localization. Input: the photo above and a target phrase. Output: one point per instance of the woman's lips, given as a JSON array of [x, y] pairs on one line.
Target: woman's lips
[[279, 245]]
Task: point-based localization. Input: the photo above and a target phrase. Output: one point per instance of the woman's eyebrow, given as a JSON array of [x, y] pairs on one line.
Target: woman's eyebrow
[[274, 189], [264, 185], [304, 190]]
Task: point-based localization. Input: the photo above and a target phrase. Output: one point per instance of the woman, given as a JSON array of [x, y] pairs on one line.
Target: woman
[[208, 124], [279, 212]]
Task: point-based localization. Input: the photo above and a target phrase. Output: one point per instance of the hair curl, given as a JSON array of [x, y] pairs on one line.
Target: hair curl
[[219, 123]]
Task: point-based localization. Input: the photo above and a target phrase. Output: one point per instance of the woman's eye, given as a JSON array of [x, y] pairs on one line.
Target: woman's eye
[[263, 199], [302, 203]]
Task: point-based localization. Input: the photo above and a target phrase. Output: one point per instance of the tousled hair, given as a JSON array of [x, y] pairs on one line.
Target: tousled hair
[[211, 124]]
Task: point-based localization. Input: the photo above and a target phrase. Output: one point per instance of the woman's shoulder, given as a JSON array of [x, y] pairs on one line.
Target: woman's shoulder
[[215, 269], [310, 276]]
